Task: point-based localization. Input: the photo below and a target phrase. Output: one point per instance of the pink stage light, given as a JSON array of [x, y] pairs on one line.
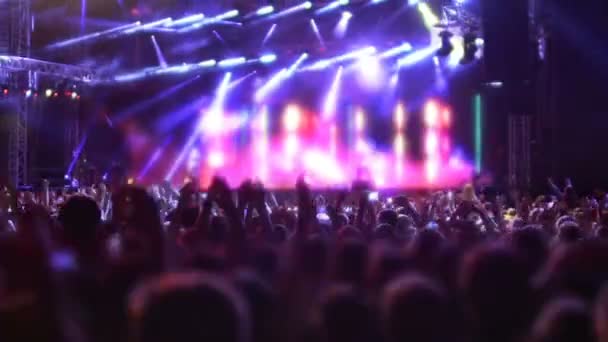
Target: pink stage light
[[292, 118], [431, 114], [359, 121], [446, 118], [399, 118], [431, 144], [216, 159]]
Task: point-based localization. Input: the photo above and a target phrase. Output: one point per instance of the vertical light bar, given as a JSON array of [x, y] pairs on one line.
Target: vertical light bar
[[477, 105]]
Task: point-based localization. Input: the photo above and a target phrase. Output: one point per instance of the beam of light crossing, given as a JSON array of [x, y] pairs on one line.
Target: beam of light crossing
[[269, 34], [77, 154], [325, 63], [153, 160], [271, 85], [148, 26], [315, 29], [219, 37], [215, 108], [331, 101], [136, 108], [416, 57], [294, 67], [396, 51], [162, 62], [94, 35], [331, 6], [237, 82], [428, 16]]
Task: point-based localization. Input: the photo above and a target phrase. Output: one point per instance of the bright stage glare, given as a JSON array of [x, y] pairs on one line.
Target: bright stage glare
[[342, 25], [28, 93], [216, 159], [265, 10], [359, 121], [207, 64], [394, 80], [267, 59], [232, 62], [370, 70], [431, 114], [429, 18], [48, 93], [292, 118]]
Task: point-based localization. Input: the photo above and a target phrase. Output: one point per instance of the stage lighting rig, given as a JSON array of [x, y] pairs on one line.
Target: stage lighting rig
[[470, 47], [446, 43]]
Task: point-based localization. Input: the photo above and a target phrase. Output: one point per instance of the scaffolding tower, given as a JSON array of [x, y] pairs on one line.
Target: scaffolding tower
[[15, 40]]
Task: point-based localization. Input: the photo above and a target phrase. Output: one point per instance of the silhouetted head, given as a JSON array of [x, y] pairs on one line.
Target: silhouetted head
[[187, 307], [346, 317], [564, 320], [414, 309], [80, 217]]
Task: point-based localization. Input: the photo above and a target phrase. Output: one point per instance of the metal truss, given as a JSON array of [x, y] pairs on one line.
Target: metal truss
[[75, 73], [454, 15]]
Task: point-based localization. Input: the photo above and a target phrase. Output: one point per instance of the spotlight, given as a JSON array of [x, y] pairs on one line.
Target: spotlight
[[28, 93], [5, 91], [232, 62], [446, 44], [265, 10], [342, 25], [267, 59], [48, 93], [470, 48], [74, 95]]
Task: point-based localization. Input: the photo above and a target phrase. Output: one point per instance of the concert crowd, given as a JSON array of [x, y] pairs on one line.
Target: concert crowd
[[116, 262]]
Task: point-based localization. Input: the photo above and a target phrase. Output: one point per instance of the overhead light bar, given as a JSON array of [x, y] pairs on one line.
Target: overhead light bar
[[298, 8], [186, 20], [264, 10], [232, 62], [267, 59], [331, 6], [218, 18], [148, 26], [94, 35]]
